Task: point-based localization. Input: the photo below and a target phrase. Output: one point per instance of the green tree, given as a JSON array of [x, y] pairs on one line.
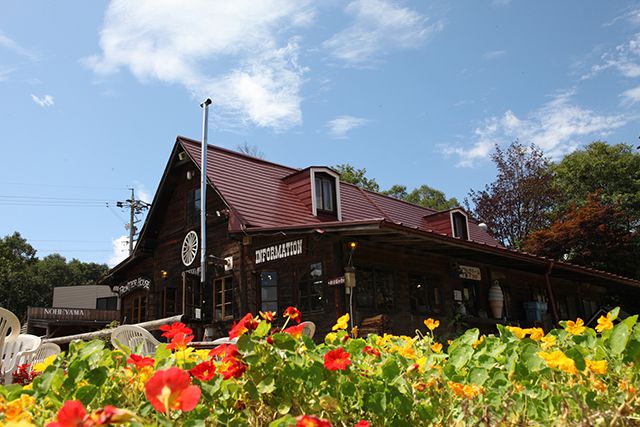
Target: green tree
[[431, 198], [17, 257], [397, 191], [352, 175], [611, 170]]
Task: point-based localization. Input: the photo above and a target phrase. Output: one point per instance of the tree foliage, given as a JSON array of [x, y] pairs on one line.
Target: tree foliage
[[352, 175], [595, 234], [520, 199], [611, 170], [250, 150], [27, 281], [431, 198]]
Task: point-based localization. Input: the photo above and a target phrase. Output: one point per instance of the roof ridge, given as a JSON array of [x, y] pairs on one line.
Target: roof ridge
[[237, 153]]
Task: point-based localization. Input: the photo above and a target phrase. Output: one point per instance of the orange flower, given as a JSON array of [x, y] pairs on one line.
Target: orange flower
[[431, 324], [575, 328], [72, 414], [171, 389], [604, 323], [179, 341], [171, 330], [559, 360], [268, 316], [293, 314], [436, 347], [204, 371], [337, 360], [225, 350], [295, 331], [311, 421], [371, 351], [246, 324], [518, 332], [596, 366], [535, 334], [478, 342], [468, 391], [139, 361], [231, 367]]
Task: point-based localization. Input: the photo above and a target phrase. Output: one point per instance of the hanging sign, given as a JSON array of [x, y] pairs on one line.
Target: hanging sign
[[279, 251], [132, 285], [470, 273]]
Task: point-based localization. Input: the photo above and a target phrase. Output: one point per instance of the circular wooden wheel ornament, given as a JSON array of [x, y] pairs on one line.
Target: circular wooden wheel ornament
[[189, 248]]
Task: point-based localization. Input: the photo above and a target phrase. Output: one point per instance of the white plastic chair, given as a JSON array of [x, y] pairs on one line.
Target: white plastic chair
[[9, 330], [128, 338], [17, 352], [45, 350]]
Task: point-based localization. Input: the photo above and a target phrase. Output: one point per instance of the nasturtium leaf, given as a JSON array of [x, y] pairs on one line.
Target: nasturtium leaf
[[460, 355], [390, 370], [77, 370], [348, 389], [478, 376], [90, 348], [262, 330], [578, 358], [267, 385], [86, 394], [530, 358], [284, 341], [98, 376], [285, 421], [194, 423], [618, 338]]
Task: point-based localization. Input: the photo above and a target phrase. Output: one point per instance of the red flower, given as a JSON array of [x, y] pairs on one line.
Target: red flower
[[140, 361], [231, 367], [337, 360], [178, 327], [204, 371], [363, 423], [112, 415], [179, 341], [171, 389], [311, 421], [225, 350], [246, 324], [293, 314], [371, 351], [72, 414], [296, 331]]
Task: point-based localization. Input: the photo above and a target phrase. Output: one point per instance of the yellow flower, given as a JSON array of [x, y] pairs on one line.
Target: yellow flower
[[407, 350], [575, 328], [518, 332], [535, 334], [467, 390], [330, 337], [21, 423], [559, 360], [597, 366], [431, 324], [342, 323], [15, 410], [478, 342], [41, 366], [202, 354], [436, 347], [354, 332], [548, 341], [604, 323], [421, 363]]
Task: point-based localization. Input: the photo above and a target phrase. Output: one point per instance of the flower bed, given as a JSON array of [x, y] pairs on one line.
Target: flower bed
[[574, 375]]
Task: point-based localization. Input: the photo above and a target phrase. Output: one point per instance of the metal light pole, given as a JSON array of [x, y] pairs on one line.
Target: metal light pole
[[203, 194]]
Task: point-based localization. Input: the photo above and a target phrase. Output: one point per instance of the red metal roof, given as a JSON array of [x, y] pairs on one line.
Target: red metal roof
[[256, 191]]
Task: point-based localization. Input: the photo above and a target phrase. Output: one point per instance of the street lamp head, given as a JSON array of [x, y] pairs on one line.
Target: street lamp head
[[206, 103]]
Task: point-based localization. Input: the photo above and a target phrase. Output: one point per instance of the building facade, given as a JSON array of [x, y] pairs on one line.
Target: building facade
[[279, 236]]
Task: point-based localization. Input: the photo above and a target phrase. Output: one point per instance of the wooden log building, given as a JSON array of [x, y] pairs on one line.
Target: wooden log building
[[280, 236]]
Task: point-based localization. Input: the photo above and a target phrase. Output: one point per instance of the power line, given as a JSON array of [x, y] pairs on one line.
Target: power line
[[61, 186]]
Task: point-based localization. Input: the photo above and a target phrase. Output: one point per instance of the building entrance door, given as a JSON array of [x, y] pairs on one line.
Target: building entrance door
[[192, 296]]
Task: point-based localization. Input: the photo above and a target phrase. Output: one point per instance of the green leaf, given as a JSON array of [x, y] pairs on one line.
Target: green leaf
[[98, 376], [285, 421], [390, 370], [194, 423], [76, 370], [90, 348], [267, 385], [530, 358], [618, 338], [262, 330], [460, 356], [348, 389], [284, 341], [478, 376], [86, 394], [578, 358]]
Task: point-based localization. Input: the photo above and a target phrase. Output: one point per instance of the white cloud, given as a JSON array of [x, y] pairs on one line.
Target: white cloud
[[120, 247], [379, 26], [142, 193], [631, 96], [13, 46], [185, 42], [555, 127], [494, 54], [625, 59], [340, 126], [45, 101]]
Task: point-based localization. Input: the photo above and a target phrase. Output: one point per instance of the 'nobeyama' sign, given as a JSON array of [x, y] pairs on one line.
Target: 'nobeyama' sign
[[279, 251]]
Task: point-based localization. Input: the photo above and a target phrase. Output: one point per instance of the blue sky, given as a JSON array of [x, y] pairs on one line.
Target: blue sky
[[93, 94]]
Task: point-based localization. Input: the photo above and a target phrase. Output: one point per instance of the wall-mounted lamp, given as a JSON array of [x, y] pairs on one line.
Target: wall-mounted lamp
[[182, 155], [164, 274], [353, 246], [350, 277], [190, 174]]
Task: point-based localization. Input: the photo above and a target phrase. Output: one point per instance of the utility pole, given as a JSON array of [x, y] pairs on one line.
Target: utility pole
[[136, 207]]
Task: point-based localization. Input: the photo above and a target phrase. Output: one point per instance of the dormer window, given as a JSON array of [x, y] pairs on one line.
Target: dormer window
[[325, 193], [459, 225]]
